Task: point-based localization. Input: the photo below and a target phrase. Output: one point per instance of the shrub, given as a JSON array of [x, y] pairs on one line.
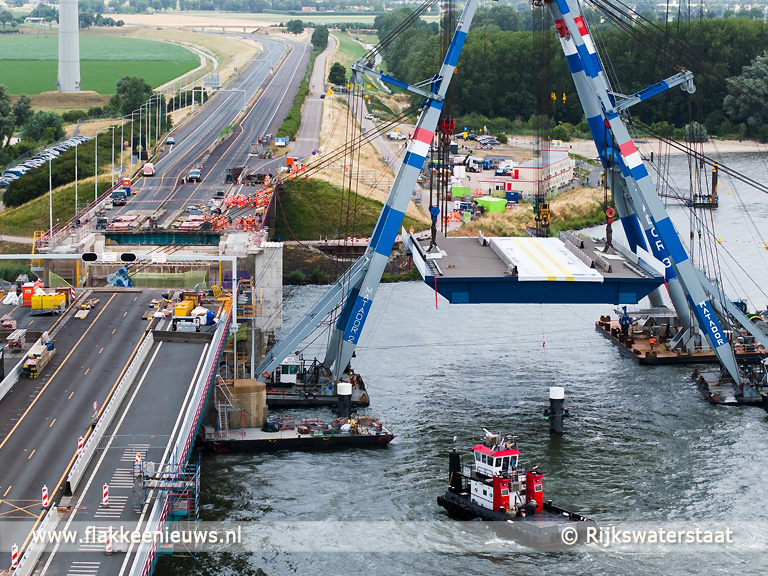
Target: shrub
[[319, 277], [295, 277]]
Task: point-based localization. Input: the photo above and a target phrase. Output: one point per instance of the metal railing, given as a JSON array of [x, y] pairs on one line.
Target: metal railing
[[146, 555]]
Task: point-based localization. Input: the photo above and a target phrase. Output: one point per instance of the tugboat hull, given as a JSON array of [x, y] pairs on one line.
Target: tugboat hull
[[543, 530]]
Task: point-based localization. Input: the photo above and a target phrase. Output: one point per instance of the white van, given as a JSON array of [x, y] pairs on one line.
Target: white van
[[148, 170]]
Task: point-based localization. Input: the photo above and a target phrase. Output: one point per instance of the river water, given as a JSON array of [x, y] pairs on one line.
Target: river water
[[643, 450]]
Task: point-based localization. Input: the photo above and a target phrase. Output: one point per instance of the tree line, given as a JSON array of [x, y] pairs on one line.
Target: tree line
[[496, 81]]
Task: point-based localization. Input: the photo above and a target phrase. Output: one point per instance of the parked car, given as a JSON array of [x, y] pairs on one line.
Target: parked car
[[369, 116], [170, 140]]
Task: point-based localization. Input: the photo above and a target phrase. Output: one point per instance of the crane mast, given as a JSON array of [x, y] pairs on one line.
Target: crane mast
[[640, 206], [355, 291]]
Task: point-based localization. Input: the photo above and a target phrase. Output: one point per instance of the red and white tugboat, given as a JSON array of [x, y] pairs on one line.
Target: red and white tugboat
[[496, 488]]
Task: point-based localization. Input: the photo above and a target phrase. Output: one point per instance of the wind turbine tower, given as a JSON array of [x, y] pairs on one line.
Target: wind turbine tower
[[69, 47]]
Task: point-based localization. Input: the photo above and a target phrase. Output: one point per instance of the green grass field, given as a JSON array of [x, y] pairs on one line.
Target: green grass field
[[312, 209], [29, 64], [349, 50]]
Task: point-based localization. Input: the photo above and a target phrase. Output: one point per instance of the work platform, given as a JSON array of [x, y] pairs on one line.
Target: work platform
[[565, 270], [637, 345]]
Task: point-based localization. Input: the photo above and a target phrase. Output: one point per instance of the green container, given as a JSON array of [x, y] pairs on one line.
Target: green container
[[493, 204], [460, 192]]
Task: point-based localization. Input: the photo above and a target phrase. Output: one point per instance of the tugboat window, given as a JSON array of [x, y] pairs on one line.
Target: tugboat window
[[485, 459], [477, 457], [505, 462]]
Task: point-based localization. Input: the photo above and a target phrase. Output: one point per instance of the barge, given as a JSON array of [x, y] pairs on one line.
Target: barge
[[308, 434]]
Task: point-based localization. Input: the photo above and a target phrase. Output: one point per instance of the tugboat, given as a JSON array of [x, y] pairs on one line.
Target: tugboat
[[298, 383], [495, 488]]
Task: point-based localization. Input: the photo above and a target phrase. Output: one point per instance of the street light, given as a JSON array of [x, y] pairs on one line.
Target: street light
[[113, 154], [96, 164], [122, 142], [50, 198]]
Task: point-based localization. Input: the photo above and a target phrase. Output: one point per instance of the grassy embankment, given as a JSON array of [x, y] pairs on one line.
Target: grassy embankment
[[571, 210], [34, 215], [316, 210], [349, 50]]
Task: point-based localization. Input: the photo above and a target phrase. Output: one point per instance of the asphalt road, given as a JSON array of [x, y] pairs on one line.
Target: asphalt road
[[195, 138], [42, 418], [150, 416]]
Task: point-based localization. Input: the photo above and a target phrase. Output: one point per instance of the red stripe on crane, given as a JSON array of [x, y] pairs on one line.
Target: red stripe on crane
[[628, 148], [581, 26], [423, 135]]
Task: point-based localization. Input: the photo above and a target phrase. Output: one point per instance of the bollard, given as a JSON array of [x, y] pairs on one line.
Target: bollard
[[556, 412], [344, 402], [105, 496], [79, 445], [45, 496]]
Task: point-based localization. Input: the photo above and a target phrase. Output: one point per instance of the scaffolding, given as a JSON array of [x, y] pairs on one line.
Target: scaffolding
[[181, 486]]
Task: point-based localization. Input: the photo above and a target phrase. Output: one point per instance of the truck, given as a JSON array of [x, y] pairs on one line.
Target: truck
[[148, 169]]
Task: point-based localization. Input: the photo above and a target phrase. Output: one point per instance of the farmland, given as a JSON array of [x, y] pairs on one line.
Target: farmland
[[29, 64]]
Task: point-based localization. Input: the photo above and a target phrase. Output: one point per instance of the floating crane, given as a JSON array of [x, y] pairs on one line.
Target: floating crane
[[354, 292], [642, 214]]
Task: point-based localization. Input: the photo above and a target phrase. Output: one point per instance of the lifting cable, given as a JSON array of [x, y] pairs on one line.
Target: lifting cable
[[700, 157], [399, 29]]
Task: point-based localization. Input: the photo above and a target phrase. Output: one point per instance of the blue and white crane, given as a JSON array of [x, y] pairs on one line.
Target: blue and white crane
[[643, 216], [356, 289]]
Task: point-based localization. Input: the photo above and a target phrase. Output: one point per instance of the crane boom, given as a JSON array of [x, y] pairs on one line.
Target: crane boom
[[618, 151], [356, 289]]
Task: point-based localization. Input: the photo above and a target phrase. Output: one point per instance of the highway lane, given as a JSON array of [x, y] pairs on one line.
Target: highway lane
[[200, 131], [42, 418], [196, 137], [264, 117], [160, 396]]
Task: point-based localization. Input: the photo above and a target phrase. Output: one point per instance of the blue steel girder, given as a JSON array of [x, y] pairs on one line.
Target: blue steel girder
[[664, 237]]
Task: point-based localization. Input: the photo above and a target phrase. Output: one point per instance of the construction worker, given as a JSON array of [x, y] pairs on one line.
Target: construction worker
[[434, 212], [625, 321]]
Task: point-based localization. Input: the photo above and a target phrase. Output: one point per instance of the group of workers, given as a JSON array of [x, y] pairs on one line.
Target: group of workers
[[250, 201], [250, 223]]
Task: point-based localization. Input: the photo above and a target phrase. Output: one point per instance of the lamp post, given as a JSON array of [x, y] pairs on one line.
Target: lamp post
[[76, 147], [50, 198], [122, 142], [113, 155], [96, 165]]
